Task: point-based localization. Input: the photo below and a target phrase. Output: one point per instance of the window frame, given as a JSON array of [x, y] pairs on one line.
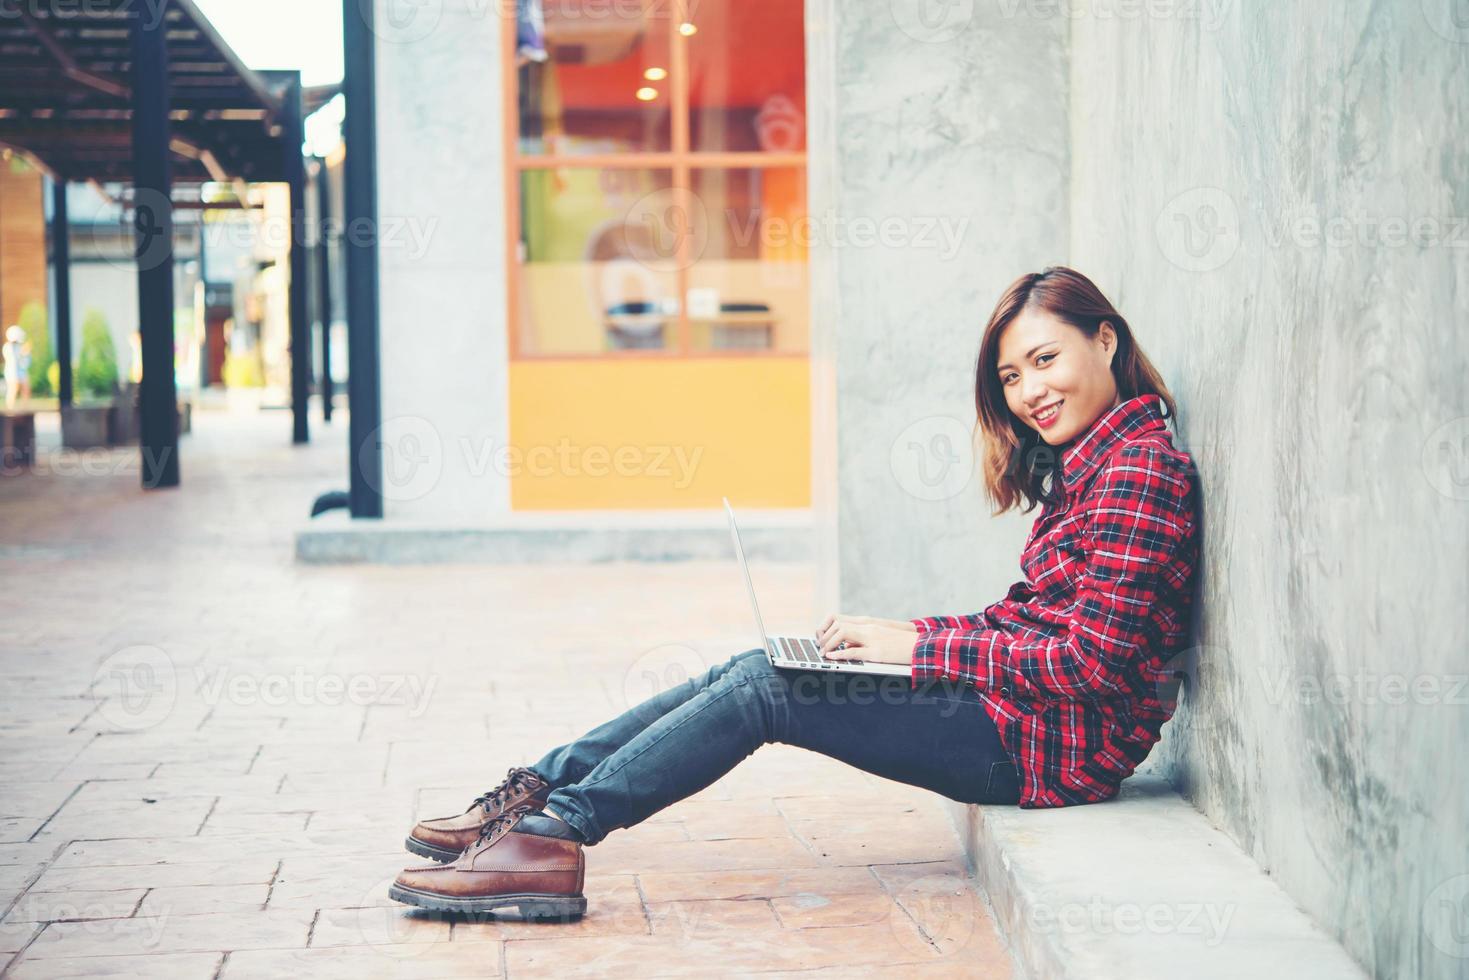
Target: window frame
[[679, 159]]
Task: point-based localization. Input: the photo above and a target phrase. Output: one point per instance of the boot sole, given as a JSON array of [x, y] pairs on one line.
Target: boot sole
[[440, 854], [534, 908]]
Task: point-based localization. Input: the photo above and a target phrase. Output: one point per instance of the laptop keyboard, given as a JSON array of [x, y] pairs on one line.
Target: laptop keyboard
[[801, 649]]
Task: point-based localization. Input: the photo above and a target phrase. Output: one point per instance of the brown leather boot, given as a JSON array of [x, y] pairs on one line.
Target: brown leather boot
[[540, 872], [445, 838]]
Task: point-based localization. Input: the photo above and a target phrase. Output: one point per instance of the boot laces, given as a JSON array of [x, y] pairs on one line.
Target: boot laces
[[499, 825], [517, 780]]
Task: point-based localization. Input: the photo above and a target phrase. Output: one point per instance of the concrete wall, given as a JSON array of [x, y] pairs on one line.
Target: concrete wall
[[440, 201], [1276, 196], [1247, 185], [947, 127]]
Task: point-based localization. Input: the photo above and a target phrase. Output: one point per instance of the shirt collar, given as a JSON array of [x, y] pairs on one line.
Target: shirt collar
[[1121, 423]]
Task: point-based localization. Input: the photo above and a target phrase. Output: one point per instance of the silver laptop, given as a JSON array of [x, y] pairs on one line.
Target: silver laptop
[[800, 652]]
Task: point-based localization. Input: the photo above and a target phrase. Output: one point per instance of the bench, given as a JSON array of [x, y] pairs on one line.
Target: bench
[[1141, 886], [17, 440]]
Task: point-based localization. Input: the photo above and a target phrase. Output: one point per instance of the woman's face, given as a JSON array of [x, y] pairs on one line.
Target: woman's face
[[1056, 380]]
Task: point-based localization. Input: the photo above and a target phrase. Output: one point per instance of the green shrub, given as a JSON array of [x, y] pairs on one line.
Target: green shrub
[[96, 371], [33, 322]]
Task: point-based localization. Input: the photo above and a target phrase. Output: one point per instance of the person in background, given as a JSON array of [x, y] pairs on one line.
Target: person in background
[[17, 357]]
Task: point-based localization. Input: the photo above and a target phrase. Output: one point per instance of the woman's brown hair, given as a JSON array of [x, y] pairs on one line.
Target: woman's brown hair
[[1016, 459]]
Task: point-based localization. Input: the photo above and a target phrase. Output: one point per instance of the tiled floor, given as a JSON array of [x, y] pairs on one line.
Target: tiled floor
[[211, 754]]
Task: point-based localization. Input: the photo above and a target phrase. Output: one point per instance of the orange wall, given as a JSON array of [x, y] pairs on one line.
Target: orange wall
[[648, 433]]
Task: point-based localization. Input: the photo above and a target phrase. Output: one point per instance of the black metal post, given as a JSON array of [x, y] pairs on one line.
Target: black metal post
[[61, 264], [153, 227], [324, 283], [359, 246], [293, 135], [203, 380]]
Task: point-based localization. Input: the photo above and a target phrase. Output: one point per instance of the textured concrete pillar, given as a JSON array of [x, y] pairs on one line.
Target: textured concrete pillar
[[441, 208], [1278, 194], [938, 168]]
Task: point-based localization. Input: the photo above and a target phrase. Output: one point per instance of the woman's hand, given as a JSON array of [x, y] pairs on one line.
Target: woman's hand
[[883, 641]]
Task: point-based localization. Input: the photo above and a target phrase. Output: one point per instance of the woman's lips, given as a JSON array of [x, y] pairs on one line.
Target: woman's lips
[[1045, 422]]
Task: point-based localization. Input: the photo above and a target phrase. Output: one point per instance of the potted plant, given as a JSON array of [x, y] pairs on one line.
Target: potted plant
[[86, 422], [33, 321]]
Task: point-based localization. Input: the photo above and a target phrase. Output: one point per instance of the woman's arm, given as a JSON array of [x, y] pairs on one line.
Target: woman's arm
[[1141, 515], [964, 621]]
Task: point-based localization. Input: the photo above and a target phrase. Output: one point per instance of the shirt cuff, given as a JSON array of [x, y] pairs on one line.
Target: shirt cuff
[[924, 668]]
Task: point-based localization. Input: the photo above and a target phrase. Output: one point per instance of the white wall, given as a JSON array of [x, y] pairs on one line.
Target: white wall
[[441, 211], [955, 136]]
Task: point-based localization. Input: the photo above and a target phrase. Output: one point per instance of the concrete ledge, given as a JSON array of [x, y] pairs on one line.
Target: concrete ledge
[[1141, 886], [569, 536]]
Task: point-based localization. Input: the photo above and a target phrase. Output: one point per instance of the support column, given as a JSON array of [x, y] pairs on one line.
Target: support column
[[324, 283], [294, 168], [360, 251], [153, 226], [61, 263]]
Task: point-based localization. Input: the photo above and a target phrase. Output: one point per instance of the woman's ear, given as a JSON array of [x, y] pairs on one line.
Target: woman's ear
[[1107, 336]]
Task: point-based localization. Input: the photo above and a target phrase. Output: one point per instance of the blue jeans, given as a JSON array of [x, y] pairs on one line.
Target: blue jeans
[[937, 736]]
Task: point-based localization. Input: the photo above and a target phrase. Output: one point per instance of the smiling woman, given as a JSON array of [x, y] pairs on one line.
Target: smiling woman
[[1047, 698], [1056, 354], [1071, 663]]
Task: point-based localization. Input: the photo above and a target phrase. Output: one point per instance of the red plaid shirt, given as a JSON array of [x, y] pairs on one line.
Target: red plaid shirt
[[1070, 663]]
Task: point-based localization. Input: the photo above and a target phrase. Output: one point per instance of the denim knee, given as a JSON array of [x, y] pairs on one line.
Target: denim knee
[[754, 653], [754, 663], [734, 663]]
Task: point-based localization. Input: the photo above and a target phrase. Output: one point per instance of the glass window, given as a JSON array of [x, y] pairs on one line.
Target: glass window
[[747, 78], [591, 276], [603, 85], [747, 289], [660, 174]]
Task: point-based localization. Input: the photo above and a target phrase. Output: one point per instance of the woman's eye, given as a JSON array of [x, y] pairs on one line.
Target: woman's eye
[[1040, 359]]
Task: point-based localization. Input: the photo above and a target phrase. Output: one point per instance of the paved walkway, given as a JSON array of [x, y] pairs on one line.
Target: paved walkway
[[211, 754]]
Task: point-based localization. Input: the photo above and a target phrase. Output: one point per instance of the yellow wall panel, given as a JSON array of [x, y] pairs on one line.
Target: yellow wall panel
[[646, 433]]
